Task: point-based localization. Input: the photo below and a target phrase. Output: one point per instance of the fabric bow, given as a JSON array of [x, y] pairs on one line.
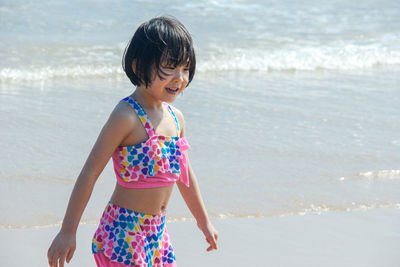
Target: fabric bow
[[183, 144]]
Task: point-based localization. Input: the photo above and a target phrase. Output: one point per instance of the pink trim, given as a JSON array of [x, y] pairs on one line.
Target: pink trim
[[103, 261], [184, 145], [159, 180]]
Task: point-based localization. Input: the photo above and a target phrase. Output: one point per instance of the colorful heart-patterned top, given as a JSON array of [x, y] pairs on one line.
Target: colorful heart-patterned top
[[159, 161]]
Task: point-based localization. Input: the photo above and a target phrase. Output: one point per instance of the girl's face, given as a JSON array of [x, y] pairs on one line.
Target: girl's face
[[172, 84]]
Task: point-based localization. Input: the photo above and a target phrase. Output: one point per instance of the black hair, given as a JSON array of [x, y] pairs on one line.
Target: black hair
[[161, 40]]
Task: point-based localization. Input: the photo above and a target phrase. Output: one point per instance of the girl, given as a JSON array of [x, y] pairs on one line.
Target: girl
[[145, 137]]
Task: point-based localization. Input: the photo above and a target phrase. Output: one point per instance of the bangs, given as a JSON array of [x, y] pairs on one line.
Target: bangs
[[177, 51], [175, 57]]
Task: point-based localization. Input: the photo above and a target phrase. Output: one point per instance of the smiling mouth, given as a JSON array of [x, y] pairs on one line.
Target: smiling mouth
[[172, 91]]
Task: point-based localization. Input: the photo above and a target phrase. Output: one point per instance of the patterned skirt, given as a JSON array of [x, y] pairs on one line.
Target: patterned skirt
[[133, 239]]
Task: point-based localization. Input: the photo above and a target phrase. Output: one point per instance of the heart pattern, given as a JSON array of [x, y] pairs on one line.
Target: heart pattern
[[158, 154], [133, 238]]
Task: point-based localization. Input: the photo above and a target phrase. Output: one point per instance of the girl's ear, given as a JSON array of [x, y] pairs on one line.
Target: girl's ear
[[134, 66]]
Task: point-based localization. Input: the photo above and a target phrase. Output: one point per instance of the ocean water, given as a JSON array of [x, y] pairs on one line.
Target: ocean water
[[294, 108]]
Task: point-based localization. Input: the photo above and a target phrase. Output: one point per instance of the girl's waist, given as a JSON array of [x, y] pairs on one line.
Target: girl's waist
[[147, 201]]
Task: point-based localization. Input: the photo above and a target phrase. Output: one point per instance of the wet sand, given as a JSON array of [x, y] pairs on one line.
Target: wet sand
[[347, 239]]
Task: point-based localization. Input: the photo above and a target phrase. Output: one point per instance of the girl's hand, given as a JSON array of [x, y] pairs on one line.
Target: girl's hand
[[62, 249], [211, 235]]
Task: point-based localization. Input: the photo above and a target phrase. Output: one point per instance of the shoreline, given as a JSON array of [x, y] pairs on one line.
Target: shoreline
[[347, 239]]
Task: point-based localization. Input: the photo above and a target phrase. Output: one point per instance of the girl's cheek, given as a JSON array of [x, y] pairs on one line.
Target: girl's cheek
[[186, 76]]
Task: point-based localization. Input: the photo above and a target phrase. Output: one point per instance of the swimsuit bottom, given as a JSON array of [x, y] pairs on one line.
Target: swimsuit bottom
[[132, 238]]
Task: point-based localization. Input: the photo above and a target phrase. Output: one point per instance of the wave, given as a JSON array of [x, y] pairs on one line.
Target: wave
[[347, 57], [48, 73], [312, 209], [374, 175], [38, 178], [317, 209], [291, 58]]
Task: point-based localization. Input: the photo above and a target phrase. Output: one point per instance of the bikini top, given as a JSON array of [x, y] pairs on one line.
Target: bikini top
[[159, 161]]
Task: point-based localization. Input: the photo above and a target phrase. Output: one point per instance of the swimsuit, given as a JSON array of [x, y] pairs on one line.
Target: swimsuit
[[131, 238], [128, 237], [157, 162]]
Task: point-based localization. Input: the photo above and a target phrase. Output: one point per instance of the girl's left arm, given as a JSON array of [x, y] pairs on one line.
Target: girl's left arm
[[194, 201]]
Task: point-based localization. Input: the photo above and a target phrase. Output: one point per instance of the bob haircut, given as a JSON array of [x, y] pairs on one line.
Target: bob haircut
[[158, 42]]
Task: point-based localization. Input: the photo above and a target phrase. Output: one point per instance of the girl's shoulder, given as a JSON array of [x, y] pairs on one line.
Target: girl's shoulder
[[123, 111], [124, 116], [179, 116]]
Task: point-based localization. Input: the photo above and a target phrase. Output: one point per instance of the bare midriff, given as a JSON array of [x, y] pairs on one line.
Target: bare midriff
[[144, 200]]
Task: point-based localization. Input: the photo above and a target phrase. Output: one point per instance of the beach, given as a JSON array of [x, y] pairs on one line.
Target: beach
[[347, 239], [292, 118]]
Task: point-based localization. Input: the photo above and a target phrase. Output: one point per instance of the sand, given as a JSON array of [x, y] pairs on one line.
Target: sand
[[348, 239]]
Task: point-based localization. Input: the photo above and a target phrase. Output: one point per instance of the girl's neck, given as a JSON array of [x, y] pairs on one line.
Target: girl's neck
[[145, 99]]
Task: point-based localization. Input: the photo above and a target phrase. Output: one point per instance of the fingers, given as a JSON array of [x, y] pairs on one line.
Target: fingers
[[52, 257], [49, 258], [62, 260], [57, 260], [54, 260], [61, 249], [212, 240], [70, 254]]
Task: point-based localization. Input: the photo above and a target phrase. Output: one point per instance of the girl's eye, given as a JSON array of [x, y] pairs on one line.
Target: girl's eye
[[170, 67]]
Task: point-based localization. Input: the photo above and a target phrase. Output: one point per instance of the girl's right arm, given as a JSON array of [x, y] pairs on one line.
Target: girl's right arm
[[118, 126]]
